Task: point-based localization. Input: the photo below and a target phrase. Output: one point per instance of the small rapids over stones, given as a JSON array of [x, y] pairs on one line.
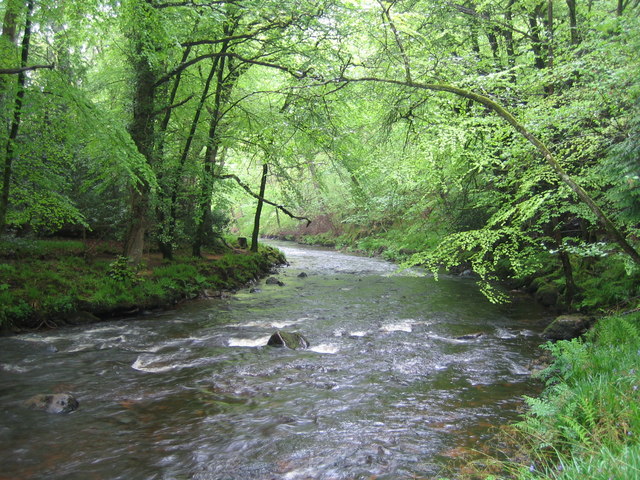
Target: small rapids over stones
[[401, 373]]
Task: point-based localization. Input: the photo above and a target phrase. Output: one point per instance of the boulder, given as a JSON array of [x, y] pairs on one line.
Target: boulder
[[302, 275], [547, 295], [566, 327], [274, 281], [53, 402], [292, 340]]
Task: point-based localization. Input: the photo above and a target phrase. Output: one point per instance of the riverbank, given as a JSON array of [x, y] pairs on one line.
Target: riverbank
[[586, 423], [50, 283]]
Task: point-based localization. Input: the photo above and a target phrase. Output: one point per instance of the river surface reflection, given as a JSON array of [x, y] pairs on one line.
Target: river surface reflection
[[386, 390]]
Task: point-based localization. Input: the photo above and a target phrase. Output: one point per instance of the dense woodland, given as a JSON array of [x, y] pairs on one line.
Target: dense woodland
[[501, 136]]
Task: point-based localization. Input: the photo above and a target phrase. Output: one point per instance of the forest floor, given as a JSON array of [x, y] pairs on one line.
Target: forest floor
[[50, 283]]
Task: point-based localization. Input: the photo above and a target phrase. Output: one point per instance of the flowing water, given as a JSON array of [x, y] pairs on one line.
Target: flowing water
[[385, 391]]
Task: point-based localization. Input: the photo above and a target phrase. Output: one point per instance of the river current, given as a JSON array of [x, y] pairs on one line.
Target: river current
[[386, 390]]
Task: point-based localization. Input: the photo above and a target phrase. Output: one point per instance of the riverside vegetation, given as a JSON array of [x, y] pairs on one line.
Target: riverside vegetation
[[50, 283], [491, 136]]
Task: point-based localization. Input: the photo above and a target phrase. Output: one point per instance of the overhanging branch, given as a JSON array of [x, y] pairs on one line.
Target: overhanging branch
[[14, 71], [252, 61], [535, 141], [255, 195], [175, 105]]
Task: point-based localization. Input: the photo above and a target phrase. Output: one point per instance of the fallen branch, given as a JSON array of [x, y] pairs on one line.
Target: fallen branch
[[255, 195]]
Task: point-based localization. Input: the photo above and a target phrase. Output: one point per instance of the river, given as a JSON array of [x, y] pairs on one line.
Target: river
[[385, 391]]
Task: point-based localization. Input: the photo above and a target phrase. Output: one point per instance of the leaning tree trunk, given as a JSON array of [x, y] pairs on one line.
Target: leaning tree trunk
[[256, 220], [604, 220]]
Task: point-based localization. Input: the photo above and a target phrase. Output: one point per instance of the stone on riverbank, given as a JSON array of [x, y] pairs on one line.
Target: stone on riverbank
[[567, 327], [292, 340], [53, 403]]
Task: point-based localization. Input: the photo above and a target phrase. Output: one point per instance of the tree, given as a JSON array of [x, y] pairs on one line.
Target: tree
[[8, 34]]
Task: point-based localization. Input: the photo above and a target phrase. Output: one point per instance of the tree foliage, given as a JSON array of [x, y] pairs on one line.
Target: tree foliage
[[378, 115]]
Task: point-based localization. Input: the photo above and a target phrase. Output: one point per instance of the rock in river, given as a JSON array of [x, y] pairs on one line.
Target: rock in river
[[274, 281], [293, 340], [469, 336], [53, 402]]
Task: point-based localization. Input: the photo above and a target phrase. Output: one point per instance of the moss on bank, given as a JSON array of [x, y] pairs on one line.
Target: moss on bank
[[44, 283]]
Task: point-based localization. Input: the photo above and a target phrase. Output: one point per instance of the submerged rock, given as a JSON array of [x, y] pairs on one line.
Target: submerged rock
[[81, 318], [470, 336], [274, 281], [53, 403], [293, 340], [302, 275], [567, 327]]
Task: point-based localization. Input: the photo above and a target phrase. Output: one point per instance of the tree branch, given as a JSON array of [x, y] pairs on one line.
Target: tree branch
[[193, 61], [255, 195], [535, 141], [472, 11], [386, 14], [189, 3], [175, 105], [13, 71]]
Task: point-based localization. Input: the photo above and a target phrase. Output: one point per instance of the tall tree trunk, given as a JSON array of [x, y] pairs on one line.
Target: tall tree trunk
[[165, 243], [256, 220], [141, 130], [17, 111], [550, 88], [169, 226], [622, 4], [536, 44], [573, 22], [8, 39], [211, 155], [224, 87], [507, 33], [492, 38]]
